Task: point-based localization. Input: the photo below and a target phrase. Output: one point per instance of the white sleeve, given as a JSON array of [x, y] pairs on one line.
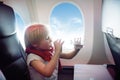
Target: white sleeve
[[32, 57]]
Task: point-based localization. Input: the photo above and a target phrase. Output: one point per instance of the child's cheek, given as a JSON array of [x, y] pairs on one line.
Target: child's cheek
[[46, 45]]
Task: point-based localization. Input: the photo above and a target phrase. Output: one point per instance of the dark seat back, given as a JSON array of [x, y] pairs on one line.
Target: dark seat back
[[12, 55], [114, 45]]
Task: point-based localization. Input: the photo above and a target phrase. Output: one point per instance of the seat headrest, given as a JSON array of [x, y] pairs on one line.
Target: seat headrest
[[7, 20]]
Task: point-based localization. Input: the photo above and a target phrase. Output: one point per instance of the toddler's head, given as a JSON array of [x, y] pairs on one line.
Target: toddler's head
[[35, 35]]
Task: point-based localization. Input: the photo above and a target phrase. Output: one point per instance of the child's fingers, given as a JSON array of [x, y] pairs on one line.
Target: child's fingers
[[77, 41]]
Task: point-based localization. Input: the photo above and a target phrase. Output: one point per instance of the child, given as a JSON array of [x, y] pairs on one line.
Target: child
[[43, 59]]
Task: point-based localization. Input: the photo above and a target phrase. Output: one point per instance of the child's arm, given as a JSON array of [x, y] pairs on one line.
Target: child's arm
[[70, 55], [47, 69]]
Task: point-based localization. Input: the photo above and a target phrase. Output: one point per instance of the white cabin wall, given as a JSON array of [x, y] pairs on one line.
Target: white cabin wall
[[98, 53], [110, 21], [111, 16]]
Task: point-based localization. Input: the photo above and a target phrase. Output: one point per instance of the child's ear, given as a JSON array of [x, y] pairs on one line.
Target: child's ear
[[35, 45]]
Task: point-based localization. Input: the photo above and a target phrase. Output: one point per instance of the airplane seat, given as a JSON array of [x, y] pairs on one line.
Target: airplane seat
[[12, 56], [114, 45]]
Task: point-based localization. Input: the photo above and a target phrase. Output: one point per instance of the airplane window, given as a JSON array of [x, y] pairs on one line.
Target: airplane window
[[20, 28], [66, 23]]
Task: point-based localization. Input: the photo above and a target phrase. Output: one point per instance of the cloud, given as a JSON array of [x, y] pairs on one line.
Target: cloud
[[76, 20], [62, 30], [56, 24]]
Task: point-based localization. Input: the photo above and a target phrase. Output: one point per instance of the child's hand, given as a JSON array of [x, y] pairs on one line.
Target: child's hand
[[77, 44], [58, 46]]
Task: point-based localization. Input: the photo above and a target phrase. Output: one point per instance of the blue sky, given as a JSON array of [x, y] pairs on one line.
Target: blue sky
[[66, 23]]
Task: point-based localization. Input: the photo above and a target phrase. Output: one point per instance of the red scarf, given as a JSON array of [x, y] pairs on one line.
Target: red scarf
[[45, 54]]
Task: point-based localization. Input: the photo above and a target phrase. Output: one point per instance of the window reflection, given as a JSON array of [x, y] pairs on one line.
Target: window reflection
[[20, 28]]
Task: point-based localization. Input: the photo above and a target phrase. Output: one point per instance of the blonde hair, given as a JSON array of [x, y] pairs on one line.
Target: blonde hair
[[34, 33]]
